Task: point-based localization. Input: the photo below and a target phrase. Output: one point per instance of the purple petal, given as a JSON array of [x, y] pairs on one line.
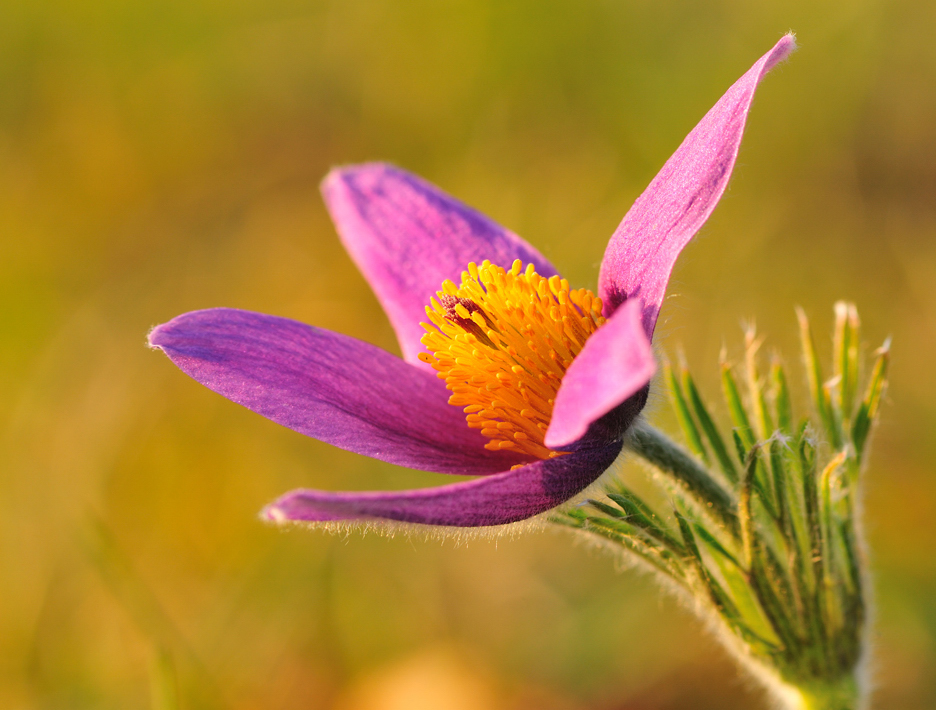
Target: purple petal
[[615, 364], [337, 389], [641, 253], [495, 500], [407, 236]]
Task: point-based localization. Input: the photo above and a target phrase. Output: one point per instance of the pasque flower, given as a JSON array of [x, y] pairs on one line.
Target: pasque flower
[[545, 380]]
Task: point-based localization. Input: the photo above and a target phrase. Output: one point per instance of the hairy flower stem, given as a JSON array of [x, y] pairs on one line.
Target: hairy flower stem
[[764, 537], [841, 696], [671, 459]]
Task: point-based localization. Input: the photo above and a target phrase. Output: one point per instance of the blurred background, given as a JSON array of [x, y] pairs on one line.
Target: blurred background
[[160, 156]]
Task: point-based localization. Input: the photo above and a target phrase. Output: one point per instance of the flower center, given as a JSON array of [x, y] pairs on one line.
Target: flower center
[[502, 341]]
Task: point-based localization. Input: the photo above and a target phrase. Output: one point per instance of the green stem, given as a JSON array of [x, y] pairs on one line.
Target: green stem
[[670, 458], [842, 694]]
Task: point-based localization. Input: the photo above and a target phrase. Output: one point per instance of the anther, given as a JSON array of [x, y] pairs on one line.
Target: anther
[[502, 342]]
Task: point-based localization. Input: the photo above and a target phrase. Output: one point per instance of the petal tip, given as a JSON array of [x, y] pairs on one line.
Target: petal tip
[[642, 251], [273, 514], [334, 178], [782, 50], [153, 337], [340, 174]]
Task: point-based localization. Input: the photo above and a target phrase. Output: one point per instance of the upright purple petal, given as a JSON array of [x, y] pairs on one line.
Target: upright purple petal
[[407, 236], [640, 256], [328, 386], [615, 364], [493, 500]]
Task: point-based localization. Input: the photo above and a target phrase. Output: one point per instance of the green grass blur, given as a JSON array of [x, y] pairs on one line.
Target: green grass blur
[[159, 156]]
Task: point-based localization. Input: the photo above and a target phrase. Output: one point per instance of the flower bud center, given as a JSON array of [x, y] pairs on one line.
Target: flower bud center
[[502, 341]]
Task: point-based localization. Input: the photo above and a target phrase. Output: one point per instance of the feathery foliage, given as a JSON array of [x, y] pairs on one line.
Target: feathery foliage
[[763, 534]]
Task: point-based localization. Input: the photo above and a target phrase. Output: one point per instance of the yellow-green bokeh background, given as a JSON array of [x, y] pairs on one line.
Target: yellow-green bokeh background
[[159, 156]]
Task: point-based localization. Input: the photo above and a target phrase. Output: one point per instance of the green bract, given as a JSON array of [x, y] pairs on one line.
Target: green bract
[[764, 533]]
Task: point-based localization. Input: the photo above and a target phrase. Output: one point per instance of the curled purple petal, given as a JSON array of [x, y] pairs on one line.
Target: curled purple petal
[[494, 500], [329, 386], [640, 256], [407, 237], [616, 362]]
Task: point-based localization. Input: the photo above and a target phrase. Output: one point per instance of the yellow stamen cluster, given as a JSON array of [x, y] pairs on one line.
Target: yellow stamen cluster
[[502, 341]]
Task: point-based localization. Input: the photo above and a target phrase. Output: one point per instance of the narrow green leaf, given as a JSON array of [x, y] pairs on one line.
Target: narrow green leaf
[[778, 469], [796, 516], [630, 501], [607, 509], [854, 351], [757, 484], [744, 598], [688, 538], [779, 448], [807, 456], [744, 436], [810, 573], [781, 396], [628, 537], [708, 426], [633, 515], [762, 418], [779, 576], [764, 482], [870, 405], [713, 542], [816, 556], [846, 339], [821, 401], [740, 448], [841, 343], [773, 607], [639, 514], [683, 415], [826, 512], [841, 573], [745, 517], [854, 566], [835, 414], [570, 516], [830, 550], [736, 408], [721, 600]]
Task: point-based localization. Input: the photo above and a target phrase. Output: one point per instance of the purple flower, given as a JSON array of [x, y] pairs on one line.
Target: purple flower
[[546, 380]]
